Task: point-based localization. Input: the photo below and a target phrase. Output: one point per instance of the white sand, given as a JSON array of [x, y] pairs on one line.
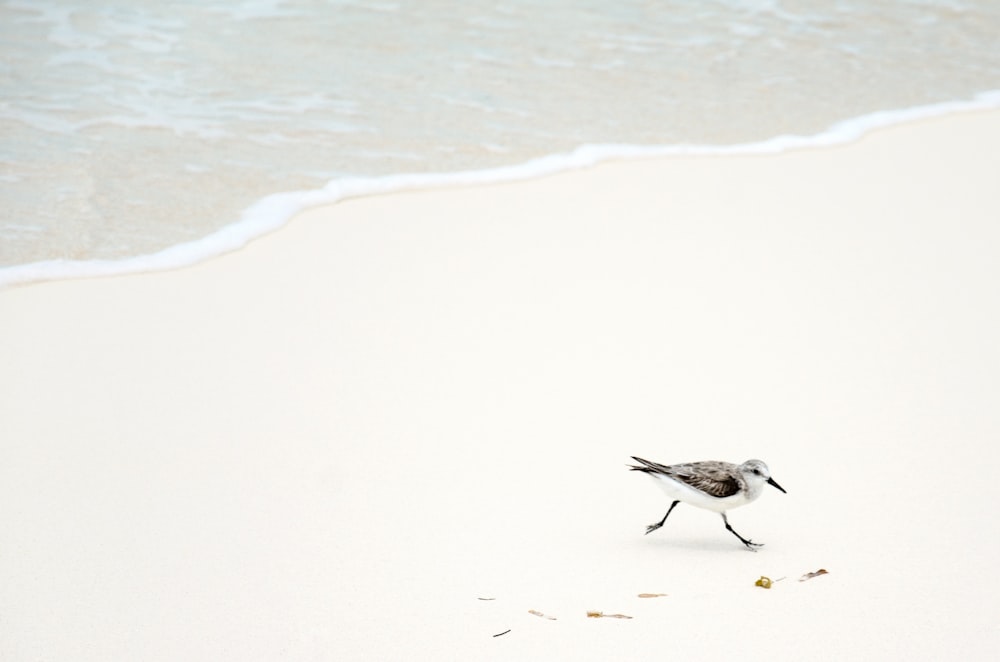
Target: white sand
[[330, 444]]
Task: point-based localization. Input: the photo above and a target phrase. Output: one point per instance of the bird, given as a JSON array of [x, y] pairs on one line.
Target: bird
[[712, 485]]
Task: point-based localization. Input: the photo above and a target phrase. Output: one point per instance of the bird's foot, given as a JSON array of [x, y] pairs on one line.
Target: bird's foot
[[653, 527], [752, 546]]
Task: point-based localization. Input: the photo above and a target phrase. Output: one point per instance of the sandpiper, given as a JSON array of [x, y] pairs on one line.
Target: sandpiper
[[712, 485]]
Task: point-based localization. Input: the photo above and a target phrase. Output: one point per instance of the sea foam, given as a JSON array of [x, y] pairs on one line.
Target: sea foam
[[274, 211], [131, 126]]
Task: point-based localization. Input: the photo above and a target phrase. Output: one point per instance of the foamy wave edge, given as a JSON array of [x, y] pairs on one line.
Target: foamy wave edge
[[274, 211]]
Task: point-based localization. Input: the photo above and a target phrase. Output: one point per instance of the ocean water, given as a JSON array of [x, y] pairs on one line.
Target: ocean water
[[148, 134]]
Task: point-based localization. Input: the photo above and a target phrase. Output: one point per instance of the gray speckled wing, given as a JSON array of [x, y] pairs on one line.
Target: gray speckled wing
[[720, 479]]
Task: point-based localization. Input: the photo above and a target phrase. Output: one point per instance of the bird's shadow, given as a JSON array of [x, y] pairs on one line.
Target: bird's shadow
[[702, 545]]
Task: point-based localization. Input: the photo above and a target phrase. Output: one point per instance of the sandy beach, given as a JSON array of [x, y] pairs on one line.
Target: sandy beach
[[396, 427]]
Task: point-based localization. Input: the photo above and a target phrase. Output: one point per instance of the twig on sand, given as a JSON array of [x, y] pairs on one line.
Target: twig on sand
[[538, 613], [601, 614]]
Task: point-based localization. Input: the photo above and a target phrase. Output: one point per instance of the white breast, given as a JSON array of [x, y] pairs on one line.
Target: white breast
[[683, 492]]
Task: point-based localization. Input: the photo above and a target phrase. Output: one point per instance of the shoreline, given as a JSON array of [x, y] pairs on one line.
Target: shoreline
[[331, 444], [275, 211]]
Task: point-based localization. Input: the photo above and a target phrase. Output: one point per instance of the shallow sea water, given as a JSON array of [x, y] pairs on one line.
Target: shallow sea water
[[131, 125]]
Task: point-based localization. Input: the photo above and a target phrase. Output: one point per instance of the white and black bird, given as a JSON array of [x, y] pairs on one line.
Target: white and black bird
[[711, 485]]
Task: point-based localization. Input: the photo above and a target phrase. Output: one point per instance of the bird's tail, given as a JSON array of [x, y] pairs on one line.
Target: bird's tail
[[647, 466]]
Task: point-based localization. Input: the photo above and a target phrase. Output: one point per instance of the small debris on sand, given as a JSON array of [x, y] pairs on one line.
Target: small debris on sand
[[540, 614], [810, 575], [601, 614]]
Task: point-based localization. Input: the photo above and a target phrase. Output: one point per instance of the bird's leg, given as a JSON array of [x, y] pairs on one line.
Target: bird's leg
[[654, 527], [750, 545]]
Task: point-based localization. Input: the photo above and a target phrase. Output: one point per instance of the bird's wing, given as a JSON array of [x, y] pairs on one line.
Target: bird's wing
[[716, 478], [720, 479]]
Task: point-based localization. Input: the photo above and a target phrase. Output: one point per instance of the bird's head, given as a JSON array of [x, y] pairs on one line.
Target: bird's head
[[756, 471]]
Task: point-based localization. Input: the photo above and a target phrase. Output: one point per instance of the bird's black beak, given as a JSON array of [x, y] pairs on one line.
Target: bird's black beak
[[770, 481]]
